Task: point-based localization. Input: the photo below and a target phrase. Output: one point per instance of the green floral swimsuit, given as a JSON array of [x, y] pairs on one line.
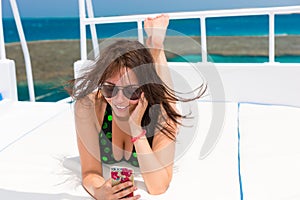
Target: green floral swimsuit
[[105, 141]]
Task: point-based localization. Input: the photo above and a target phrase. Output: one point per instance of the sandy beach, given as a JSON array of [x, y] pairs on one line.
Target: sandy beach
[[52, 61]]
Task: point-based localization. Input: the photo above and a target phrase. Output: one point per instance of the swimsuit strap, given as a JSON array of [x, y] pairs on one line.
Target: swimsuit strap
[[105, 141]]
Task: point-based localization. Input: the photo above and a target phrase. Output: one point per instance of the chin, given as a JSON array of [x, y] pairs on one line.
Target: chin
[[122, 114]]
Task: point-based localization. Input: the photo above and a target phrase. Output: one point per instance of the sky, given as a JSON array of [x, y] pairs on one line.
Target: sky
[[69, 8]]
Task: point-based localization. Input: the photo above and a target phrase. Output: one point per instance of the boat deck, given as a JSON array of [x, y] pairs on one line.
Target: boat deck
[[257, 155]]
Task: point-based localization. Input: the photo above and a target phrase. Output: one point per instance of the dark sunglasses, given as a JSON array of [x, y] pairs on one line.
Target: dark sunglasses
[[132, 92]]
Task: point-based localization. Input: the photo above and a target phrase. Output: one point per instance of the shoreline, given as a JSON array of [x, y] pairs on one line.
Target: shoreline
[[52, 60], [218, 45]]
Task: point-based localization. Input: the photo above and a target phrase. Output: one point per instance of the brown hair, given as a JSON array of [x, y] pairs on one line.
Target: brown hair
[[133, 55]]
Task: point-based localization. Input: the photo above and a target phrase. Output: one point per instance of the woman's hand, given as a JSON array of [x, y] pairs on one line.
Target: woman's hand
[[136, 116], [109, 192]]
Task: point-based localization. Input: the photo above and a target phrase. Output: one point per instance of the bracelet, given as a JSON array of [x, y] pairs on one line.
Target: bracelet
[[134, 139]]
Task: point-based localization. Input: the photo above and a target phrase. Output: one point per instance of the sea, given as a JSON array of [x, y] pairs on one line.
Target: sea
[[37, 29]]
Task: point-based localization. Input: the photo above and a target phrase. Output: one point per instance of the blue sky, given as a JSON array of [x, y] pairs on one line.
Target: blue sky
[[69, 8]]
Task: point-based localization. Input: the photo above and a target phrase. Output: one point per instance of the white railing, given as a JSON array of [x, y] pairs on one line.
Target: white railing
[[2, 44], [92, 21], [23, 45], [269, 83], [8, 80], [202, 15]]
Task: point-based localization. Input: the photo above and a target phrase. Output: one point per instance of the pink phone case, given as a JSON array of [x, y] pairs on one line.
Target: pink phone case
[[121, 175]]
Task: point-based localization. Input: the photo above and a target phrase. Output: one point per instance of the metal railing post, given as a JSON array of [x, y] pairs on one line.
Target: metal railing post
[[2, 44], [203, 39], [140, 31], [271, 37], [25, 49], [90, 12], [82, 17]]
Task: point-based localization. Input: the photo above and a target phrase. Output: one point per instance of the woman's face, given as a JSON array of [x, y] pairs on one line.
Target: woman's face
[[119, 84]]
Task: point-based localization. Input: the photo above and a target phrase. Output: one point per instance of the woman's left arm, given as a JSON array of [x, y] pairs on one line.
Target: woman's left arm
[[156, 163]]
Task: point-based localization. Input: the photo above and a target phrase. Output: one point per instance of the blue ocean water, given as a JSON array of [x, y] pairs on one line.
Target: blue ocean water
[[68, 28]]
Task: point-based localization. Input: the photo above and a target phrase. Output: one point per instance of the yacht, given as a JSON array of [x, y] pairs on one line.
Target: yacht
[[243, 142]]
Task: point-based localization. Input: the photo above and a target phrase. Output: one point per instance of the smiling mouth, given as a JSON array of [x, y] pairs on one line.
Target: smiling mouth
[[121, 107]]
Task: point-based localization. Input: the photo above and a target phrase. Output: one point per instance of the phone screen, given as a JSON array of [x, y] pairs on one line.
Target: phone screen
[[121, 175]]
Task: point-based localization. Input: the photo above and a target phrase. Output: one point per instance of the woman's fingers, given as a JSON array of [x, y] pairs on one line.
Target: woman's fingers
[[143, 102], [108, 183], [123, 189], [141, 107], [125, 192], [133, 198], [121, 186]]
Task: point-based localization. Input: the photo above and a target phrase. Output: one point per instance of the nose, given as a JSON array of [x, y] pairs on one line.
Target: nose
[[119, 96]]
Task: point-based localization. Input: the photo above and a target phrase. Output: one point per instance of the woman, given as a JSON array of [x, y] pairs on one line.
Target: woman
[[125, 111]]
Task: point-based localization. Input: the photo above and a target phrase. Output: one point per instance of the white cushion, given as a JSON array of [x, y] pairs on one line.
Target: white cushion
[[270, 152]]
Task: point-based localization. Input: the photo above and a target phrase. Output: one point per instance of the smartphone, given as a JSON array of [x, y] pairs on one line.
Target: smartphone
[[121, 175]]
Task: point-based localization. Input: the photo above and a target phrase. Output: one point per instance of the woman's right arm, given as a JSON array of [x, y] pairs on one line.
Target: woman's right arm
[[87, 129], [88, 145], [91, 176]]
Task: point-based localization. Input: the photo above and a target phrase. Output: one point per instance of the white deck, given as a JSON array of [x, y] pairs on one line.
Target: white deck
[[256, 158], [39, 157]]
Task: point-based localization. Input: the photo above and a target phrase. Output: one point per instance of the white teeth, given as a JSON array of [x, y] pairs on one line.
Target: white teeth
[[121, 107]]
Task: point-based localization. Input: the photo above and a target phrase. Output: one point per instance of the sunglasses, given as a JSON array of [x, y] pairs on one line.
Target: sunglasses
[[132, 92]]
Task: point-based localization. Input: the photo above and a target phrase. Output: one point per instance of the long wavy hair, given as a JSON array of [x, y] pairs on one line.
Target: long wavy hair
[[131, 54]]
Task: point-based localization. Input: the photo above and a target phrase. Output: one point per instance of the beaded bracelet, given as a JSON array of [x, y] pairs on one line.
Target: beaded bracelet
[[134, 139]]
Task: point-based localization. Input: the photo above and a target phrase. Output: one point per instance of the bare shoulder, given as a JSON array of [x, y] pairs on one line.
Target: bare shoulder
[[165, 121], [89, 112], [89, 106], [89, 102], [165, 136]]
